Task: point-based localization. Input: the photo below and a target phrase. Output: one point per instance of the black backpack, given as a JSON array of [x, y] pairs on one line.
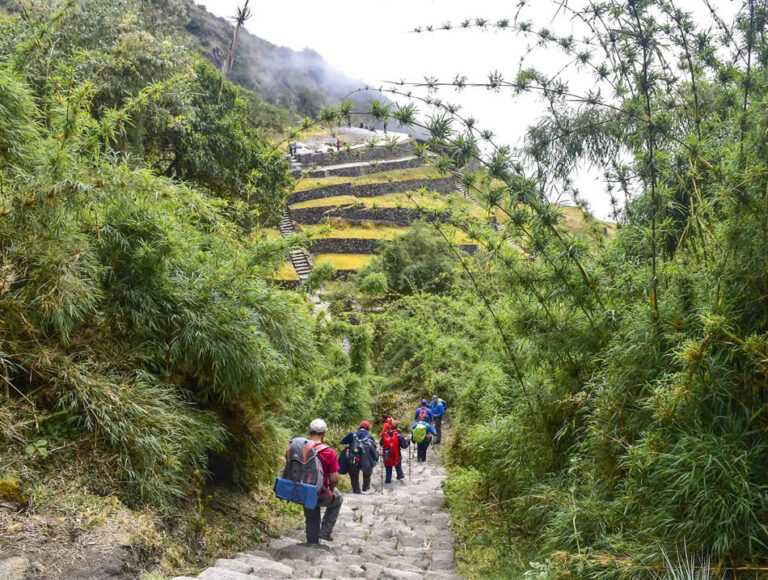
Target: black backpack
[[370, 453], [356, 452]]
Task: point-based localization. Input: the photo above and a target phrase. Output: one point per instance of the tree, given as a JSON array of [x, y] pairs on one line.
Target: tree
[[416, 261]]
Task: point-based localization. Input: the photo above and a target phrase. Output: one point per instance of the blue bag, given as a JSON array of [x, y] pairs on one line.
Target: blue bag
[[303, 493]]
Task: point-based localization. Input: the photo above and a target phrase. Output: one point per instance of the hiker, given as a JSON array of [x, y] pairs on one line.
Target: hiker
[[437, 406], [391, 443], [421, 433], [362, 456], [423, 413], [387, 420], [330, 498], [338, 145]]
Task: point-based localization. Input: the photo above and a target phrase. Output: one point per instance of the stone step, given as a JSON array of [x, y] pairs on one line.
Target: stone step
[[398, 532]]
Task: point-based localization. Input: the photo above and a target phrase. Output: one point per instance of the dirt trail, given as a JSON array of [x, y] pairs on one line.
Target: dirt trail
[[401, 533]]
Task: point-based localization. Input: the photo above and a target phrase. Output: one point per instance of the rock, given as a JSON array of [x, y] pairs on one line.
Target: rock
[[279, 543], [235, 565], [394, 574], [222, 574], [14, 568], [308, 552], [442, 556], [441, 575], [258, 554], [443, 565], [372, 571], [350, 560], [264, 568], [411, 540], [356, 572]]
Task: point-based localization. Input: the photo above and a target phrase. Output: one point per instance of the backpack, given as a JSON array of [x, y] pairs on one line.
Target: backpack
[[356, 451], [419, 432], [423, 415], [302, 465], [303, 479], [370, 453], [391, 448]]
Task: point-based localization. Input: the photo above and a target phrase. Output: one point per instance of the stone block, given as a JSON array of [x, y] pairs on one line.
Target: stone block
[[307, 552], [442, 556], [396, 574], [264, 568], [236, 565], [222, 574]]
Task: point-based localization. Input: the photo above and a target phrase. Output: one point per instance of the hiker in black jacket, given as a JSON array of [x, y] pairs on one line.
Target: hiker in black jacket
[[362, 456]]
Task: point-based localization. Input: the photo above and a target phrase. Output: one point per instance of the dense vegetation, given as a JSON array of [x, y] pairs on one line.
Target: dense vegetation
[[608, 392], [142, 337]]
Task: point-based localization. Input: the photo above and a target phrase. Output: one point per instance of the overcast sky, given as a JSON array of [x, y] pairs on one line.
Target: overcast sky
[[371, 40]]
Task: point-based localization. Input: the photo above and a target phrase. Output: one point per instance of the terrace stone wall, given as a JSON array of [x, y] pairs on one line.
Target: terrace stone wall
[[357, 246], [366, 168], [344, 246], [385, 215], [356, 154], [443, 185]]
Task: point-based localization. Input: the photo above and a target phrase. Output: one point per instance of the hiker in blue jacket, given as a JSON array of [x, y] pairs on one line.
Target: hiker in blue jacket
[[421, 433], [363, 454], [437, 406], [423, 413]]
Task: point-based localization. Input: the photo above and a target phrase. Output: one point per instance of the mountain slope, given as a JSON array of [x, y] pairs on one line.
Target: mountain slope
[[300, 81]]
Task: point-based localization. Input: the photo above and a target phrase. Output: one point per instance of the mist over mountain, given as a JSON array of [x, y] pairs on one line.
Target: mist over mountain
[[300, 81], [297, 80]]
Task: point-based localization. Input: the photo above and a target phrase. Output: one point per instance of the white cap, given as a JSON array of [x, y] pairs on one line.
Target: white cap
[[318, 426]]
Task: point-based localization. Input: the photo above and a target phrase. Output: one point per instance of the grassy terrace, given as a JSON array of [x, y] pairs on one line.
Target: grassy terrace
[[453, 201], [383, 177], [286, 273], [270, 233], [344, 261], [342, 229]]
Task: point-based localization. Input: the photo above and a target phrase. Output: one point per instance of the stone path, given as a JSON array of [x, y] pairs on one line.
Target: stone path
[[401, 533]]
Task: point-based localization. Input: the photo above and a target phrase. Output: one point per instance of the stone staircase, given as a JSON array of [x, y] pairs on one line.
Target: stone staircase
[[463, 190], [302, 262], [397, 532]]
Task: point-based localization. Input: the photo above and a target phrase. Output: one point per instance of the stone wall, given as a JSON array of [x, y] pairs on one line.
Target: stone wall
[[367, 168], [343, 246], [440, 185], [356, 154], [384, 215], [357, 246]]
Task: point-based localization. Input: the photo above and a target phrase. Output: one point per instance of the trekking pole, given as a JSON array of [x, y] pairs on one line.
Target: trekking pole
[[410, 450]]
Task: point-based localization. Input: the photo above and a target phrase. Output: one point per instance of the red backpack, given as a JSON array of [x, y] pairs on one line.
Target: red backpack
[[391, 448], [423, 415]]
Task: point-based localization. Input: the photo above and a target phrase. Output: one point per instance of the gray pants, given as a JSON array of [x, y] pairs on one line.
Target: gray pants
[[315, 527]]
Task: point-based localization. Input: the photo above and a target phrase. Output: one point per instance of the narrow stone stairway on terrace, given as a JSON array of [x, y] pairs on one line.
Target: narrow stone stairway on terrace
[[301, 261], [398, 533]]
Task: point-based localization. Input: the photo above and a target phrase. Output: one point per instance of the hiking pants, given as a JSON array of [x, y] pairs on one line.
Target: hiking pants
[[354, 478], [314, 526], [421, 450], [398, 468], [439, 429]]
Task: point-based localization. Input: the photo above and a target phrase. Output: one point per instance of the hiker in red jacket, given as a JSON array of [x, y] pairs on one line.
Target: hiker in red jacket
[[387, 421], [391, 443]]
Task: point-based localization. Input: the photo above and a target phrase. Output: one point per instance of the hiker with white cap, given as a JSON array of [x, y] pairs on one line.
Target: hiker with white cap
[[329, 498]]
